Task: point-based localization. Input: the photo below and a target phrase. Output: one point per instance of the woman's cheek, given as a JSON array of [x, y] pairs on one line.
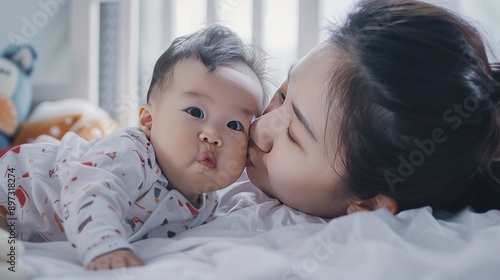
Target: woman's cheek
[[279, 171]]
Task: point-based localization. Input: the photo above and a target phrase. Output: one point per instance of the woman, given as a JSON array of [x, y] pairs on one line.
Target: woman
[[398, 108]]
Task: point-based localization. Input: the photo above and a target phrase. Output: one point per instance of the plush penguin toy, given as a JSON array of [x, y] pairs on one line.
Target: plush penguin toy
[[16, 94]]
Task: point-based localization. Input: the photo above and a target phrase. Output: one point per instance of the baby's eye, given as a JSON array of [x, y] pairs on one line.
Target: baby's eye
[[235, 125], [195, 112]]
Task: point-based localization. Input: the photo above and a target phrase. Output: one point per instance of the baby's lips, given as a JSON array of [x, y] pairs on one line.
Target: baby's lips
[[208, 159], [8, 116]]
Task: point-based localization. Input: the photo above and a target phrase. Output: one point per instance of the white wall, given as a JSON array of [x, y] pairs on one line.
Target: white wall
[[486, 15], [45, 24]]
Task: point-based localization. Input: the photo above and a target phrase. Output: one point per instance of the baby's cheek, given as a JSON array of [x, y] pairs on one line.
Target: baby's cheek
[[231, 171], [241, 149]]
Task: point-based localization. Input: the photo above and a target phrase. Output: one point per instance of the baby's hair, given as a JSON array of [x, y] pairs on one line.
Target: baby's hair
[[214, 46], [420, 107]]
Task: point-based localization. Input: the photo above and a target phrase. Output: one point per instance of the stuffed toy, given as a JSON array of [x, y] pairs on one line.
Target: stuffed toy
[[56, 118], [16, 95]]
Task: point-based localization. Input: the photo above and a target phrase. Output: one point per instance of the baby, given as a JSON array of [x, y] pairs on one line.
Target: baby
[[152, 181]]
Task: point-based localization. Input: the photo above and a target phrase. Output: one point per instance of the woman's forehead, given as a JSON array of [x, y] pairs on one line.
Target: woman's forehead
[[314, 73], [308, 86], [311, 86], [318, 62]]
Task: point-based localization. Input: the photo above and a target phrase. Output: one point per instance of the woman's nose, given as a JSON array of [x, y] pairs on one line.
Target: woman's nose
[[211, 136], [263, 131]]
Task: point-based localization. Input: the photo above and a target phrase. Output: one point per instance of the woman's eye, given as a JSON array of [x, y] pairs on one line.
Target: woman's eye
[[290, 136], [235, 125], [281, 96], [195, 112]]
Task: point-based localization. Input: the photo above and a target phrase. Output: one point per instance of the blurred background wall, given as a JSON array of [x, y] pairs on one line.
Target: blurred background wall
[[104, 50]]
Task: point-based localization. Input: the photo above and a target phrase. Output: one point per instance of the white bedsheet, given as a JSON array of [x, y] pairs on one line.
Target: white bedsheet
[[272, 241]]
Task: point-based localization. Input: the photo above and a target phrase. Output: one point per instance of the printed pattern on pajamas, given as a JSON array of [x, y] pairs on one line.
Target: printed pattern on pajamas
[[100, 195]]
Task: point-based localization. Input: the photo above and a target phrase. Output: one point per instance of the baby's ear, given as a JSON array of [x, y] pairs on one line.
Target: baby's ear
[[374, 203], [145, 119]]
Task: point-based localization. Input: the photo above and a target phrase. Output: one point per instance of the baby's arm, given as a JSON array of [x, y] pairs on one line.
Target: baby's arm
[[98, 191], [115, 259]]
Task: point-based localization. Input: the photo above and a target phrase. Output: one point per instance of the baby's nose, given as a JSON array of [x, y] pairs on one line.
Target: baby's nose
[[211, 136]]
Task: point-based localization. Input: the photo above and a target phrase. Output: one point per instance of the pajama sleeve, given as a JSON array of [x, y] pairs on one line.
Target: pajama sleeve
[[98, 188]]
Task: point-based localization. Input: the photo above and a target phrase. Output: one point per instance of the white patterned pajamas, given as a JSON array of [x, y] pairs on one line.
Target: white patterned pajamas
[[99, 195]]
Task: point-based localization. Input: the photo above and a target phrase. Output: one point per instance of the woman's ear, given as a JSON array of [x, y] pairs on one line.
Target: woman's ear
[[374, 203], [145, 119]]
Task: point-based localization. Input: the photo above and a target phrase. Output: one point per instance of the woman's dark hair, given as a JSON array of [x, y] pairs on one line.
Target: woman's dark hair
[[214, 46], [420, 100]]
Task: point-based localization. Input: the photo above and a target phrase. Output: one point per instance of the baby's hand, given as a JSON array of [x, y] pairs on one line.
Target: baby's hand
[[115, 259]]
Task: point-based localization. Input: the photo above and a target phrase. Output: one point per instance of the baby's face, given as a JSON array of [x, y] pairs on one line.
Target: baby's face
[[200, 122]]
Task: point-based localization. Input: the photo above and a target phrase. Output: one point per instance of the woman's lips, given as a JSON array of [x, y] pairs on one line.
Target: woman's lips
[[249, 163], [207, 159], [251, 145]]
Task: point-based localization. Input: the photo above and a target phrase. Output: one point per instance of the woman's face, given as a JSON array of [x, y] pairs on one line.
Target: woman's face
[[287, 153]]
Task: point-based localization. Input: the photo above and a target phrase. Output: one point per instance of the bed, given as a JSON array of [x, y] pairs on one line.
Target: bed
[[261, 239]]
